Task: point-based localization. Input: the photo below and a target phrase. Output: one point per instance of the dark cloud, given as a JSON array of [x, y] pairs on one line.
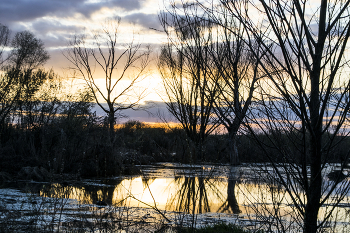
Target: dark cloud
[[127, 4], [26, 10], [14, 13], [54, 33], [54, 41], [152, 112], [45, 26], [144, 20]]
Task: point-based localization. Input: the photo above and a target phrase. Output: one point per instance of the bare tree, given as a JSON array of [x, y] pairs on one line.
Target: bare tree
[[237, 76], [230, 71], [116, 66], [183, 65], [305, 99]]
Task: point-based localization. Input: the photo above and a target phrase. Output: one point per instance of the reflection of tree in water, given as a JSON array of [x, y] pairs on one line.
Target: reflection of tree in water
[[85, 194], [146, 181], [192, 196], [191, 190], [231, 204], [104, 193], [195, 194]]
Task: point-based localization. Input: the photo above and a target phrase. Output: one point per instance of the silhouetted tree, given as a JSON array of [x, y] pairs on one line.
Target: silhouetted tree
[[28, 52], [115, 66], [21, 76], [183, 64], [237, 75], [229, 71], [305, 96]]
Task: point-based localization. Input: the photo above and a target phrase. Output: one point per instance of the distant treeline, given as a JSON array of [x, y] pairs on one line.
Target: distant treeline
[[81, 144]]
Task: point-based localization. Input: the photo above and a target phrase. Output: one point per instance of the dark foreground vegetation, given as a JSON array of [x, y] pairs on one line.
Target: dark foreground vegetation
[[217, 228]]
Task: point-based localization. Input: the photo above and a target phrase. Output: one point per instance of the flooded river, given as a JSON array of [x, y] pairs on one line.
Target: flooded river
[[231, 192]]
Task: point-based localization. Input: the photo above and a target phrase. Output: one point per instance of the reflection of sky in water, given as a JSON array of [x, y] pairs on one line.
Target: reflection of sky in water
[[195, 189], [165, 193]]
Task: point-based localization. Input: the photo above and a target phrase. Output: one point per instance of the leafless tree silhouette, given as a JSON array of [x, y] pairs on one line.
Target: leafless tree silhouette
[[304, 101], [229, 70], [183, 64], [115, 65]]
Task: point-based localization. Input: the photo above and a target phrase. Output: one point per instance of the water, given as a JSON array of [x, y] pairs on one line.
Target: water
[[171, 187], [232, 193]]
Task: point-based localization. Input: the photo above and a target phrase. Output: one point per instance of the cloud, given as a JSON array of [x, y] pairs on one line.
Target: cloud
[[128, 4], [54, 41], [144, 20], [24, 10], [151, 112], [27, 10], [46, 19], [56, 21], [53, 32], [46, 26]]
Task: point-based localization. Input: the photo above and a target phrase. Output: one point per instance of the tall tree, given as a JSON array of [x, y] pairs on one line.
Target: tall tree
[[115, 66], [21, 78], [237, 75], [229, 70], [183, 65], [305, 97], [27, 56]]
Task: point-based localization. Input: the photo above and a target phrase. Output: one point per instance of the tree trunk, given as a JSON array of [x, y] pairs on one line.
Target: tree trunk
[[313, 190], [233, 150], [111, 121], [199, 152]]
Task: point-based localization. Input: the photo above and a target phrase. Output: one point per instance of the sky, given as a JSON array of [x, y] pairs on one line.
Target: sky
[[55, 22]]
